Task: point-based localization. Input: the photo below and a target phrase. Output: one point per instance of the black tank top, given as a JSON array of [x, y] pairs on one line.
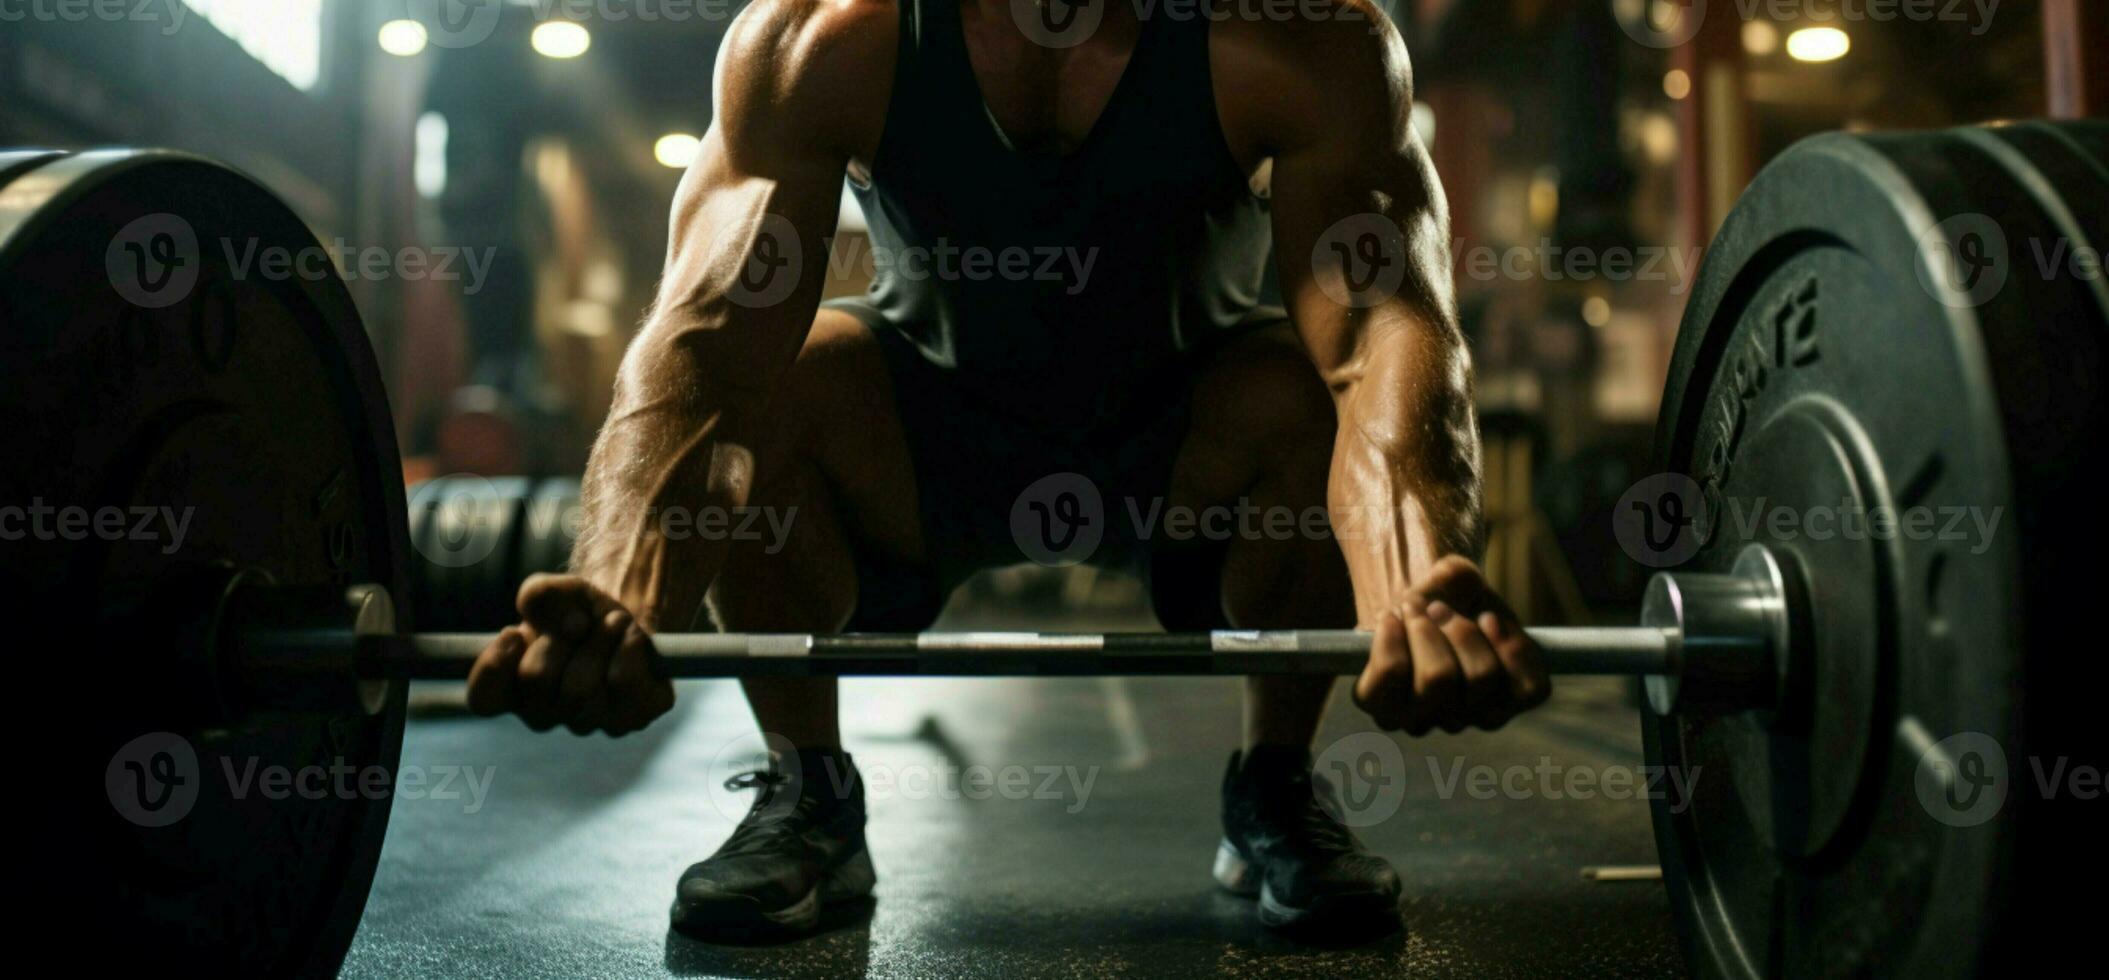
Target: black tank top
[[1061, 291]]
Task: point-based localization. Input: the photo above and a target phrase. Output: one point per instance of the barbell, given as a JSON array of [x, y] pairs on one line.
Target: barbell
[[1886, 324]]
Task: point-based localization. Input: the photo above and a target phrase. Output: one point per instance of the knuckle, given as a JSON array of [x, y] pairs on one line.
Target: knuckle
[[1484, 682]]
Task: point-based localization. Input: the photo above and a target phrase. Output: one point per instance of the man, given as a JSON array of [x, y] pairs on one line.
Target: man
[[904, 428]]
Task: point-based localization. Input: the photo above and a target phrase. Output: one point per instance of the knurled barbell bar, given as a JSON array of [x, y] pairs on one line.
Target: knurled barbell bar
[[1717, 642], [1886, 324]]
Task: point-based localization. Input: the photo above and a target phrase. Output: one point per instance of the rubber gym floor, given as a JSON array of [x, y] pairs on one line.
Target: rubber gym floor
[[1083, 850]]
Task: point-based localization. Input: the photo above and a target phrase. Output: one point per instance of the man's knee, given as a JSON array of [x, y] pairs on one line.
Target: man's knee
[[787, 568]]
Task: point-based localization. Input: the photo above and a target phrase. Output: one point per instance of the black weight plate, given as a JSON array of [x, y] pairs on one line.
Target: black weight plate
[[1871, 331], [151, 369], [468, 538]]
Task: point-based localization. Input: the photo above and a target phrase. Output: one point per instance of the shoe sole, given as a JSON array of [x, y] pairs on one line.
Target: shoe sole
[[1238, 876], [731, 916]]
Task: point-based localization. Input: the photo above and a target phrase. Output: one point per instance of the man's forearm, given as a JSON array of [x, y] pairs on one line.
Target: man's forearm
[[1404, 488], [684, 443]]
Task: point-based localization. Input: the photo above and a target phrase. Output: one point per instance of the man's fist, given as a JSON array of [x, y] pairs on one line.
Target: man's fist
[[1452, 656], [577, 659]]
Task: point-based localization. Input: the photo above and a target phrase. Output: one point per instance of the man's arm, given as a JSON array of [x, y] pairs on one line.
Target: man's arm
[[801, 89], [1362, 241]]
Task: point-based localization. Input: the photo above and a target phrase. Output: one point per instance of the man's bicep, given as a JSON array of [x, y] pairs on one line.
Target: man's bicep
[[755, 213], [1362, 234]]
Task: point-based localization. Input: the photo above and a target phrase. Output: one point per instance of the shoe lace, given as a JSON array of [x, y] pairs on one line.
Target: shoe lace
[[766, 824]]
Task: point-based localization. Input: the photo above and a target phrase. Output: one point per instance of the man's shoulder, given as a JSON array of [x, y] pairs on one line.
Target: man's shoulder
[[808, 72], [1288, 72], [1311, 38], [793, 40]]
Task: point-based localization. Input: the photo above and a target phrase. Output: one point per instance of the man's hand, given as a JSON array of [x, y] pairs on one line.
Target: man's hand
[[1452, 657], [578, 659]]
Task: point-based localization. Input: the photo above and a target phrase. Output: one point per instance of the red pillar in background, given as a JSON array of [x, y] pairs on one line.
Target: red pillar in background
[[2076, 57]]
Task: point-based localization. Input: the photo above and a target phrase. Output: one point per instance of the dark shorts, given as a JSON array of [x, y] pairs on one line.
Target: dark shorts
[[996, 491]]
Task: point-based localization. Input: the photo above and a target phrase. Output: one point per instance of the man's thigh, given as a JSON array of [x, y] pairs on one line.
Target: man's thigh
[[834, 525], [1252, 472]]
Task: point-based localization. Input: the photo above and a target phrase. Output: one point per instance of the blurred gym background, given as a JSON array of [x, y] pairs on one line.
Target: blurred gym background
[[545, 138]]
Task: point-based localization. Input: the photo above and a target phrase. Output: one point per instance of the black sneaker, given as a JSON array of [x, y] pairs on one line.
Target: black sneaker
[[1284, 843], [801, 847]]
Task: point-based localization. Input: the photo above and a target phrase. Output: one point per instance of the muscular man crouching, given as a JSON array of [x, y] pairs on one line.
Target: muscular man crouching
[[903, 426]]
